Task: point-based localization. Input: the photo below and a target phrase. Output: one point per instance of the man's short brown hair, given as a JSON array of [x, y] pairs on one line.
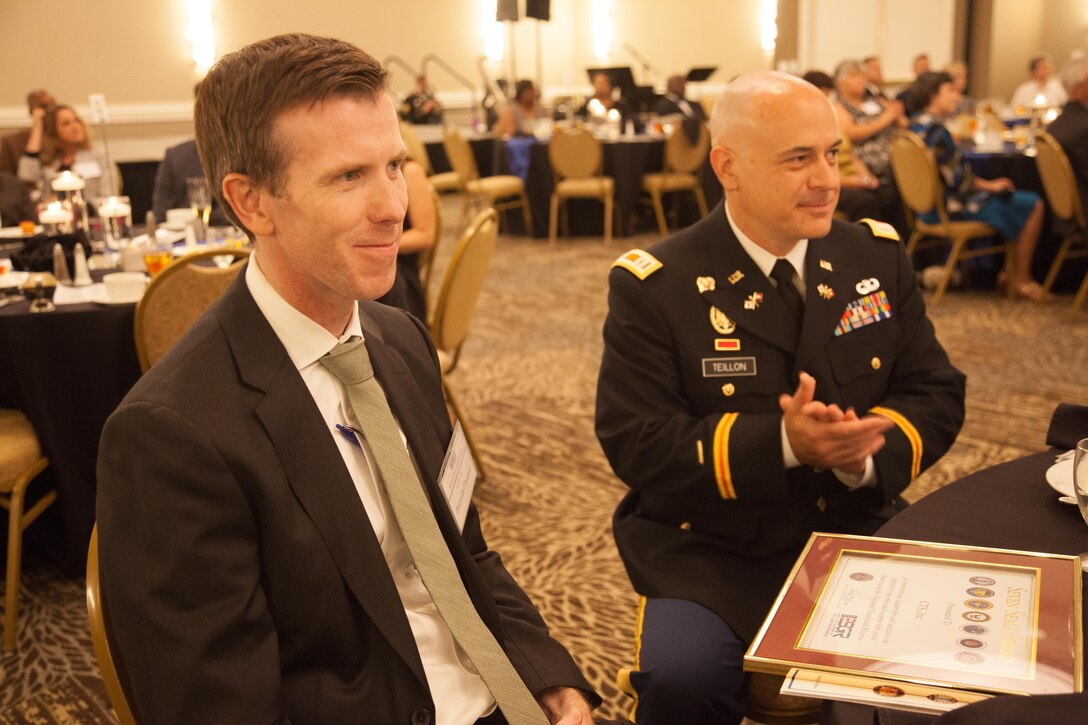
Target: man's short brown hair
[[239, 100]]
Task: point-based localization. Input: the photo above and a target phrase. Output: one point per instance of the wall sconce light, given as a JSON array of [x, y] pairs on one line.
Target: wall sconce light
[[768, 24], [602, 29], [201, 32]]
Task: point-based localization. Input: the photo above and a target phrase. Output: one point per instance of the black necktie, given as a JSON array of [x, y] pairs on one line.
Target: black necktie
[[782, 273]]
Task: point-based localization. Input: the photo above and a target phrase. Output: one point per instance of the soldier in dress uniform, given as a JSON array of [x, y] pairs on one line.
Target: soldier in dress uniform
[[767, 373]]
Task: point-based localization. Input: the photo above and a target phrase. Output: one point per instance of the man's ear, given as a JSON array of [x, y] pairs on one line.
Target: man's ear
[[722, 161], [248, 202]]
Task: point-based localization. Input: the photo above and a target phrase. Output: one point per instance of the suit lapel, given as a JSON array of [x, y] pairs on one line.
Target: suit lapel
[[829, 279], [314, 468], [751, 300]]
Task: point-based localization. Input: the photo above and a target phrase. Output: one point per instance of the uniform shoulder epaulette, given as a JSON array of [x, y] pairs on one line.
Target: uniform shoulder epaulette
[[639, 263], [881, 230]]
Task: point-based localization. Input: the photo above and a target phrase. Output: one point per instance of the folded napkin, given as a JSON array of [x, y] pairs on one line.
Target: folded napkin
[[1068, 425]]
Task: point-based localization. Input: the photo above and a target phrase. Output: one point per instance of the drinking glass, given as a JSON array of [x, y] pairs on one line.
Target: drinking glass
[[157, 256], [200, 198], [116, 215], [1080, 486]]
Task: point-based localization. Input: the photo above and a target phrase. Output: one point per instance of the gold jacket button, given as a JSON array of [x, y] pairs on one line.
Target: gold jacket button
[[728, 389], [875, 362], [686, 526], [821, 503]]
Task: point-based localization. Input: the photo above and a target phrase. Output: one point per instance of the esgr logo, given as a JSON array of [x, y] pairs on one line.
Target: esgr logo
[[843, 625]]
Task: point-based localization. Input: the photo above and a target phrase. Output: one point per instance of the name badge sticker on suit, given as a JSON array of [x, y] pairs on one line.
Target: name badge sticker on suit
[[87, 169], [457, 478], [864, 311]]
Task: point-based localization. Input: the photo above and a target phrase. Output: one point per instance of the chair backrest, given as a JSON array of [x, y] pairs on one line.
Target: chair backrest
[[426, 259], [463, 281], [460, 155], [684, 157], [1059, 181], [109, 660], [575, 154], [916, 175], [416, 150], [178, 296]]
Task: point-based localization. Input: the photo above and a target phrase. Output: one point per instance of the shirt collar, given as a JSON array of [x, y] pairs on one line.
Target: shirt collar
[[764, 259], [305, 340]]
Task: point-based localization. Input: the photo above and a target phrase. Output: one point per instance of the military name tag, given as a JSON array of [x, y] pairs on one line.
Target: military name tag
[[864, 311], [725, 367]]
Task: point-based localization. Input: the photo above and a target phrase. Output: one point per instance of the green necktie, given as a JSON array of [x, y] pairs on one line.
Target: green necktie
[[350, 363]]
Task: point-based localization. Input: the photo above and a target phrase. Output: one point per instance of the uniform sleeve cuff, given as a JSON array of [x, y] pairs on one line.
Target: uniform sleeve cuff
[[858, 480]]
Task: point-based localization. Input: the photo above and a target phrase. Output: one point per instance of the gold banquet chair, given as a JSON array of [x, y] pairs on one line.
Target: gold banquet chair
[[109, 663], [683, 163], [922, 192], [492, 188], [427, 257], [443, 182], [577, 159], [177, 297], [21, 460], [1063, 197], [456, 302]]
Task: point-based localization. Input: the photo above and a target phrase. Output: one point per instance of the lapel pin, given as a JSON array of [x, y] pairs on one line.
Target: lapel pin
[[736, 277], [753, 300], [704, 284], [721, 324], [824, 264], [825, 291], [867, 286]]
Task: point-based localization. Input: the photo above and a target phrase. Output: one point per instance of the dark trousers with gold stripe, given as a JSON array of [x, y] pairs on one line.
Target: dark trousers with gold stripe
[[687, 666]]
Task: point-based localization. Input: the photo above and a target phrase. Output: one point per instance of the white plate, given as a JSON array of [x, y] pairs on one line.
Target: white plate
[[1060, 477], [15, 232], [103, 299]]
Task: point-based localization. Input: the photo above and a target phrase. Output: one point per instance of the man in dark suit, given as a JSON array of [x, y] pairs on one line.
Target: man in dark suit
[[13, 145], [673, 102], [1070, 129], [180, 162], [256, 555], [767, 373]]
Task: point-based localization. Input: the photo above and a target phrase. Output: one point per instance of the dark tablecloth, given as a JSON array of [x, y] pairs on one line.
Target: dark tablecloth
[[67, 370], [1009, 506]]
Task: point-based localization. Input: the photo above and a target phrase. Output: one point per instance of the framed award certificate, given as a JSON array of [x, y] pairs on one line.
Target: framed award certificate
[[972, 619]]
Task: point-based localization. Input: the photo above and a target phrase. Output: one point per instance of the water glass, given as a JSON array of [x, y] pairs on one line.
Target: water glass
[[200, 198], [116, 215]]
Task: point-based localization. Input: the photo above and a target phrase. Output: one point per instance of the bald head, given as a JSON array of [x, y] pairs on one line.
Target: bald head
[[776, 142], [746, 102]]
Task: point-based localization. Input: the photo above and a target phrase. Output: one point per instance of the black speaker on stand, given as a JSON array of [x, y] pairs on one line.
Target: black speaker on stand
[[539, 9], [506, 10]]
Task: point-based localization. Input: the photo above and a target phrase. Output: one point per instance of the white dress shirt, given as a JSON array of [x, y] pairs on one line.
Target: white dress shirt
[[459, 694], [796, 257], [1027, 94]]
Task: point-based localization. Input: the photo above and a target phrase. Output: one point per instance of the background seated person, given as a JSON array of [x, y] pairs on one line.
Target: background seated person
[[674, 103], [1070, 129], [519, 117], [868, 123], [421, 106], [13, 145], [1014, 214], [181, 162], [920, 65], [58, 142], [1042, 90], [418, 236], [958, 71], [603, 99], [15, 204]]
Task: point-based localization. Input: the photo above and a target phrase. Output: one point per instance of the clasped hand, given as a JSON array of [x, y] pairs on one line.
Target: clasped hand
[[826, 436]]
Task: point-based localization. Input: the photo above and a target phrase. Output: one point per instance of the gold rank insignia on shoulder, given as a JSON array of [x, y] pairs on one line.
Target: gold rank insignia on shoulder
[[721, 324], [639, 263], [825, 291], [824, 264], [704, 284], [736, 277], [884, 230], [753, 301]]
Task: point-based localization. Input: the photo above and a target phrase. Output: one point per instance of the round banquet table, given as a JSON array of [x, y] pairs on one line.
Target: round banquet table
[[67, 370], [1008, 506]]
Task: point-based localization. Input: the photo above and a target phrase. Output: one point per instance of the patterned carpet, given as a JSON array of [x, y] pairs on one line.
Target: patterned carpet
[[526, 382]]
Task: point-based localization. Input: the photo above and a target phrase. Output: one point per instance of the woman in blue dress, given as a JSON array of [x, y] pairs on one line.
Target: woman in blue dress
[[1014, 214]]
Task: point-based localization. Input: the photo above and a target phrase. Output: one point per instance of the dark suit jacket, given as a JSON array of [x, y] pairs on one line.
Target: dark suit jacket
[[243, 578], [12, 146], [178, 164], [666, 106], [1070, 129], [713, 516]]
